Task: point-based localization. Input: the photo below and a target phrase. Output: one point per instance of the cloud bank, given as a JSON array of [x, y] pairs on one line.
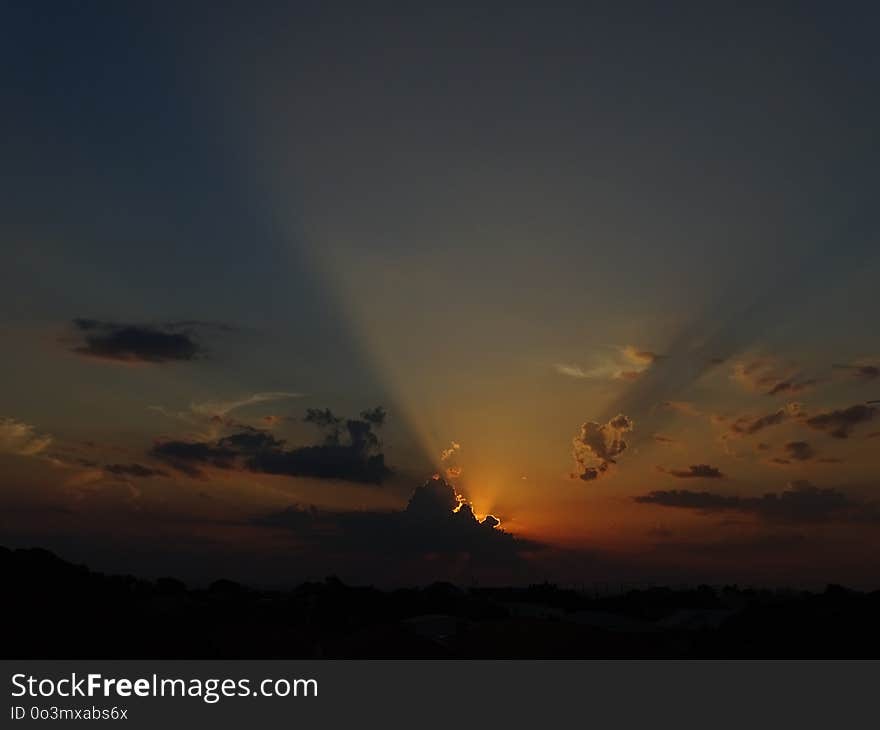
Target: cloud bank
[[350, 451], [802, 502]]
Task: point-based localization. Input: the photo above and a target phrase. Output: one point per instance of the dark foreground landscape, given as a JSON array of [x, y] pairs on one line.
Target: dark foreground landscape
[[60, 610]]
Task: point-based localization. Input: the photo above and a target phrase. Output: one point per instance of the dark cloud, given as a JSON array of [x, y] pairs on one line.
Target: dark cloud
[[678, 406], [749, 425], [249, 441], [134, 470], [792, 386], [795, 451], [349, 451], [322, 418], [190, 456], [863, 372], [435, 521], [802, 502], [841, 423], [597, 446], [695, 471], [148, 343], [665, 440]]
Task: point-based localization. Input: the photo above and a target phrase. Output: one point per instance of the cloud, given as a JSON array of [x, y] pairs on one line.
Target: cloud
[[802, 502], [665, 440], [21, 438], [144, 343], [597, 446], [448, 456], [768, 377], [795, 451], [629, 363], [695, 471], [349, 451], [841, 423], [861, 370], [749, 425], [134, 470], [575, 371], [223, 407], [792, 386], [190, 456], [679, 406], [445, 454], [436, 520], [640, 357]]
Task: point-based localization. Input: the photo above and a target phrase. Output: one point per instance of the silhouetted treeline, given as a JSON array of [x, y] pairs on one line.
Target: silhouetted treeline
[[59, 610]]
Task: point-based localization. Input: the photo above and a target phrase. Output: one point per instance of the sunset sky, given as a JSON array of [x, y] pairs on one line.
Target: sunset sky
[[611, 274]]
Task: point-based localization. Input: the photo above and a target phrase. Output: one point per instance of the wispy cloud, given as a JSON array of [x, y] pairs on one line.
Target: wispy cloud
[[627, 363], [223, 407]]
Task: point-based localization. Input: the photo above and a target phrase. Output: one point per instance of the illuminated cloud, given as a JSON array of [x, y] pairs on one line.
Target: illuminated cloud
[[349, 451], [841, 423], [802, 502], [695, 471], [448, 456], [451, 451], [628, 363], [21, 438], [597, 446], [640, 357], [224, 407], [575, 371]]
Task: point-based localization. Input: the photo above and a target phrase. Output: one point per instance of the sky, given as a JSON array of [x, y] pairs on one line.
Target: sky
[[403, 293]]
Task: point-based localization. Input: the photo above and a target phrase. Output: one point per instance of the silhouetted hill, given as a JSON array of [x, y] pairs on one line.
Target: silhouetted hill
[[59, 610]]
